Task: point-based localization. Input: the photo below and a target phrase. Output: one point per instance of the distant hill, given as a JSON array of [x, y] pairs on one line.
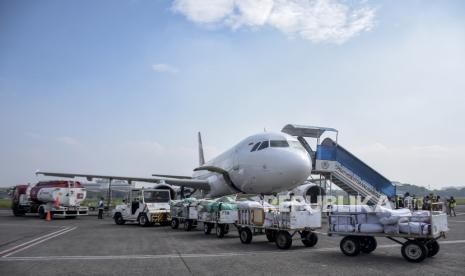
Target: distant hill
[[402, 188]]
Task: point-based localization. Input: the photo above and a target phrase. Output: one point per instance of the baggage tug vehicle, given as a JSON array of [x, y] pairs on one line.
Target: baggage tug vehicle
[[145, 207]]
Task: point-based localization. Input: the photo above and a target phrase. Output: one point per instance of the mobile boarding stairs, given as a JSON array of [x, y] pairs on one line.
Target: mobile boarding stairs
[[335, 163]]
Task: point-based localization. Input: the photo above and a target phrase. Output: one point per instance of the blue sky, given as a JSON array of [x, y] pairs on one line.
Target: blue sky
[[122, 87]]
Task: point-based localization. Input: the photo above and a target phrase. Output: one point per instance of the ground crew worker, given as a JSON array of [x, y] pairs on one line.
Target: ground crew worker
[[419, 203], [101, 206], [452, 204], [415, 203], [408, 201]]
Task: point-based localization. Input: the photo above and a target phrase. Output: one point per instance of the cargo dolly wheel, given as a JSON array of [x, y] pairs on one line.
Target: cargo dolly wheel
[[350, 246], [368, 244], [245, 235], [283, 240], [414, 251], [174, 223], [309, 239], [187, 225], [207, 228], [270, 235], [433, 247], [220, 230]]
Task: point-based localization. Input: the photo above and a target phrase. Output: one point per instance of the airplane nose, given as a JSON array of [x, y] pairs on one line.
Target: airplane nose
[[301, 166]]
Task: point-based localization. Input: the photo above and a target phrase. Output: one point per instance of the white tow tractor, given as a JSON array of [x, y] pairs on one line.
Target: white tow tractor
[[145, 207]]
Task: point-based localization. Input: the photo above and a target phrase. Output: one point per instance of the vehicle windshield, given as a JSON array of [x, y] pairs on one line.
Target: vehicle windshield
[[156, 196]]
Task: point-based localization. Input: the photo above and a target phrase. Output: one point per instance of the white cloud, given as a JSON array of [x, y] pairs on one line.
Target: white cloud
[[333, 21], [164, 68], [68, 141], [204, 11]]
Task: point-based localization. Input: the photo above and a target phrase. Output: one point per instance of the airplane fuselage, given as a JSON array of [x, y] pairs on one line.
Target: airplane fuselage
[[264, 163]]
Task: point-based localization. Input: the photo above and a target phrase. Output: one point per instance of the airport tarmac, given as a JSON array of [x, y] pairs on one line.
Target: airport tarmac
[[87, 246]]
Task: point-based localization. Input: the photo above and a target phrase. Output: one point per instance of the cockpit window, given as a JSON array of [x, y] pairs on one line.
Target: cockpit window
[[255, 147], [279, 144], [296, 144], [264, 145]]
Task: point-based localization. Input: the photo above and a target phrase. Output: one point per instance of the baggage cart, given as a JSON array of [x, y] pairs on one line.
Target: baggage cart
[[417, 244], [279, 227], [220, 220], [186, 215]]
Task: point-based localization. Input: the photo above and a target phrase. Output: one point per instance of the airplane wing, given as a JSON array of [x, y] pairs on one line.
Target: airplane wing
[[172, 176], [183, 182]]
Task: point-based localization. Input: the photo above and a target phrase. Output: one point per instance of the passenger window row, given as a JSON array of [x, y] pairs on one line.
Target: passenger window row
[[273, 143]]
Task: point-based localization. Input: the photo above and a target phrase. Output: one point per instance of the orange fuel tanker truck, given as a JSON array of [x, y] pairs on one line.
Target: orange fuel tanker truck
[[60, 198]]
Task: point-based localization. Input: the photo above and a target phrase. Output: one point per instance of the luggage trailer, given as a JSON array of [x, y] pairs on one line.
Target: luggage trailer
[[280, 232], [415, 247], [220, 220], [187, 217]]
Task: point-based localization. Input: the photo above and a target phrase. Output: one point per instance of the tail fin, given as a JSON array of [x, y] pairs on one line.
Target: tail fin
[[201, 157]]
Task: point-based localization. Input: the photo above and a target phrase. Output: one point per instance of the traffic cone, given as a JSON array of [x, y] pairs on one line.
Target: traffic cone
[[49, 216]]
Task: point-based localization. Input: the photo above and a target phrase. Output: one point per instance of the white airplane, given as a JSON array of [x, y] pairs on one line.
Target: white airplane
[[264, 163]]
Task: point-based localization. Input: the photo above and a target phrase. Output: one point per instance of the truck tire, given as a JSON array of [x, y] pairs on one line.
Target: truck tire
[[283, 240], [368, 244], [309, 239], [220, 231], [207, 228], [144, 220], [433, 248], [270, 235], [245, 235], [17, 212], [414, 251], [350, 246], [119, 219], [42, 214], [174, 223]]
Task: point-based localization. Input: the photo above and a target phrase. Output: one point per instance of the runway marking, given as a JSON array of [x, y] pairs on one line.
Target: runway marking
[[36, 241], [30, 226], [174, 256]]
